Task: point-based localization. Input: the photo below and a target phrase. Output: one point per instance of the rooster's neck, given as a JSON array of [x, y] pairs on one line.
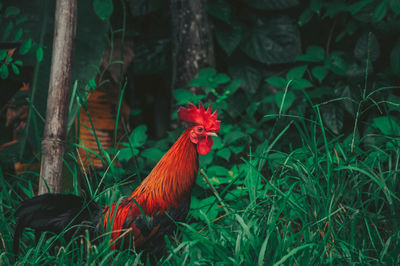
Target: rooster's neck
[[171, 180]]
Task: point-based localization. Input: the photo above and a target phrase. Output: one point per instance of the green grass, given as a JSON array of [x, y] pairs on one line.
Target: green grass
[[330, 200]]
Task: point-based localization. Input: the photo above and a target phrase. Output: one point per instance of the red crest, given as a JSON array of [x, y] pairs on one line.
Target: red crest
[[200, 116]]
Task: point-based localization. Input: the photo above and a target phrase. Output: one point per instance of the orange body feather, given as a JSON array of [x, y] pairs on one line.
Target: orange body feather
[[170, 182]]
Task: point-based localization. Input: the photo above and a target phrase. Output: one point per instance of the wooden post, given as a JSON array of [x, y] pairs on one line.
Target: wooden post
[[55, 129]]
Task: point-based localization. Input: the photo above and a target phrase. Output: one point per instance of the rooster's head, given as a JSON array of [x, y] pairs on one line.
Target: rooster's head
[[205, 125]]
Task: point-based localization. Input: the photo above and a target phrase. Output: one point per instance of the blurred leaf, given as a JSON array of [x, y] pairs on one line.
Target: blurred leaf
[[224, 153], [15, 69], [361, 48], [271, 4], [233, 136], [39, 54], [387, 125], [138, 136], [12, 11], [3, 54], [233, 86], [229, 36], [337, 64], [182, 96], [289, 99], [25, 46], [319, 72], [152, 154], [7, 30], [18, 35], [305, 17], [395, 6], [144, 7], [217, 170], [151, 56], [313, 54], [277, 81], [103, 8], [381, 11], [3, 71], [296, 73], [92, 84], [219, 9], [222, 78], [333, 117], [299, 84], [250, 77], [395, 58], [18, 63], [273, 41], [126, 153]]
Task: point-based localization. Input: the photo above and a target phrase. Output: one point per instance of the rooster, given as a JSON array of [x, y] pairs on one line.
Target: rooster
[[151, 211]]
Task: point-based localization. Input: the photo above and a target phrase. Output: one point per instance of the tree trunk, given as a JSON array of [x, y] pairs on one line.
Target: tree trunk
[[192, 41], [54, 137]]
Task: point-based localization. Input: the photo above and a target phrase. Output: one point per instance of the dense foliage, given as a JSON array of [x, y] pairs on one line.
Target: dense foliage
[[306, 169]]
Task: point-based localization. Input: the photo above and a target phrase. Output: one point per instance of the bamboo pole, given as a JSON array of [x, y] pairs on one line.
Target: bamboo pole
[[54, 136]]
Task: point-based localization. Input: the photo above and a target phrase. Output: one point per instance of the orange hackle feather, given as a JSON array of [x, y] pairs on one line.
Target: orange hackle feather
[[170, 181]]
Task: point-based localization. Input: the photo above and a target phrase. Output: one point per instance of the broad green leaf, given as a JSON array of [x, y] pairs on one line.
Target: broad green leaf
[[313, 54], [92, 84], [224, 153], [126, 153], [18, 35], [207, 73], [182, 96], [217, 170], [138, 136], [229, 36], [395, 6], [233, 136], [299, 84], [18, 63], [271, 4], [287, 99], [277, 81], [7, 30], [250, 77], [319, 72], [362, 46], [3, 71], [3, 54], [15, 69], [12, 11], [232, 87], [25, 46], [222, 78], [337, 64], [152, 154], [103, 8], [305, 17], [387, 125], [381, 11], [272, 41], [39, 54], [332, 116], [220, 9], [296, 73]]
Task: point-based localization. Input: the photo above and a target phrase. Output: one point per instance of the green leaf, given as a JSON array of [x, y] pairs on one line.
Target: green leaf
[[7, 30], [333, 117], [273, 41], [219, 9], [272, 4], [362, 45], [182, 96], [299, 84], [92, 84], [3, 71], [12, 11], [152, 154], [222, 78], [277, 81], [224, 153], [144, 7], [25, 46], [18, 63], [395, 59], [387, 125], [233, 136], [288, 100], [232, 87], [337, 64], [250, 77], [103, 8], [3, 54], [313, 54], [319, 72], [15, 69], [126, 153], [39, 54], [380, 11], [395, 6], [207, 73], [217, 170], [296, 73], [138, 136], [18, 35], [305, 17], [229, 36]]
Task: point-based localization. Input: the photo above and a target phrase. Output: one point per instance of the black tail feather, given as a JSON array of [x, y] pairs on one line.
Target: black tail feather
[[55, 213]]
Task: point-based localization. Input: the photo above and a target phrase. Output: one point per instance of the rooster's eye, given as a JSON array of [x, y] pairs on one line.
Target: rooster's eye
[[200, 129]]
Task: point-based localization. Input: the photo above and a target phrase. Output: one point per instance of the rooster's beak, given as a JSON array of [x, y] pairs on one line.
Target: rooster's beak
[[212, 134]]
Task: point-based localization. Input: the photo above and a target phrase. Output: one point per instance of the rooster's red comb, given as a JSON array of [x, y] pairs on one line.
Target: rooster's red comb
[[200, 116]]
